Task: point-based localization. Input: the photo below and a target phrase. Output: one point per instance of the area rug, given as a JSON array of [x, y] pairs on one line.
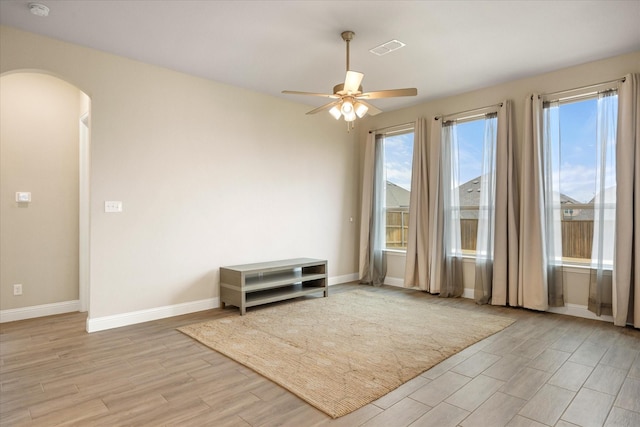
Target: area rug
[[342, 352]]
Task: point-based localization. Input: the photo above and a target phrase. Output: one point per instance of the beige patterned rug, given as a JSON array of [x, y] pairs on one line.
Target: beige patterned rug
[[342, 352]]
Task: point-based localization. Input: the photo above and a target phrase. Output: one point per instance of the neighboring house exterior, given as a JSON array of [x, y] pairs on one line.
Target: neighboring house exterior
[[469, 194], [397, 197], [470, 191], [577, 221], [571, 213]]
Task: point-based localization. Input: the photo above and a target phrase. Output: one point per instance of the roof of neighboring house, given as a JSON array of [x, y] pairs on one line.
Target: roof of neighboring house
[[397, 196], [469, 193]]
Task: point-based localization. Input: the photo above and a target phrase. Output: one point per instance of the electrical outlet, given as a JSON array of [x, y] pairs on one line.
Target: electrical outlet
[[112, 206], [17, 289]]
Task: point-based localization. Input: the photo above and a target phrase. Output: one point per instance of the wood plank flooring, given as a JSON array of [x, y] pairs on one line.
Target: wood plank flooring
[[544, 370]]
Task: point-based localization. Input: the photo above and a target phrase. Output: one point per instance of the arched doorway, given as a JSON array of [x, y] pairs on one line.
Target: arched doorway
[[44, 155]]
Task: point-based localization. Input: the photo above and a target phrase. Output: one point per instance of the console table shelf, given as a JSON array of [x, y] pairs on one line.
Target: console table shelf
[[249, 285]]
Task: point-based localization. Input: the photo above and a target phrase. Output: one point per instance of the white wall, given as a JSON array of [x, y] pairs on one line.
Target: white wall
[[576, 281], [39, 117], [209, 175]]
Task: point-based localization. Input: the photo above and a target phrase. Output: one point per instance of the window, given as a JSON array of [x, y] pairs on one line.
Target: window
[[398, 159], [582, 174], [468, 180], [470, 138]]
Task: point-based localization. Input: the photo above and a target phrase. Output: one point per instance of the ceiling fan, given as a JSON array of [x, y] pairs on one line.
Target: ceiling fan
[[350, 101]]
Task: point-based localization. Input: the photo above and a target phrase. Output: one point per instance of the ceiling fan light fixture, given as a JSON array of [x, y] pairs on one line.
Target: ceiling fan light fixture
[[361, 109], [335, 112], [347, 108], [348, 112], [350, 117]]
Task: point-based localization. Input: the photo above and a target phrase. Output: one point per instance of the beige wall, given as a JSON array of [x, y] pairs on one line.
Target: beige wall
[[209, 175], [39, 117], [576, 282], [213, 175]]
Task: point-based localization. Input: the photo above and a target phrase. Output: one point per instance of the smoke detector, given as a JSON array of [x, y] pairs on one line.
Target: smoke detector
[[38, 9]]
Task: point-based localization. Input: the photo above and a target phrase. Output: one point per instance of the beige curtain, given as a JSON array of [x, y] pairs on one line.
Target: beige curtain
[[503, 282], [532, 289], [417, 264], [425, 249], [626, 270]]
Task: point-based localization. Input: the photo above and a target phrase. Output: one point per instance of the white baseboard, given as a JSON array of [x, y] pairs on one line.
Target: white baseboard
[[394, 281], [125, 319], [336, 280], [117, 320], [468, 293], [13, 314], [354, 277], [579, 311], [575, 310], [398, 282]]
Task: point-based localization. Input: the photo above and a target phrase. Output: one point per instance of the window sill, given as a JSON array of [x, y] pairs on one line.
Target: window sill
[[569, 265], [584, 268], [395, 251]]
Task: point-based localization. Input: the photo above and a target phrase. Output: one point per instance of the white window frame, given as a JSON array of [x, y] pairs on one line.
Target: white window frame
[[572, 96], [397, 131]]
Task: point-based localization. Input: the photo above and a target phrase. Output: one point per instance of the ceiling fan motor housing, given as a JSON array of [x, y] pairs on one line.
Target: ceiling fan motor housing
[[339, 90]]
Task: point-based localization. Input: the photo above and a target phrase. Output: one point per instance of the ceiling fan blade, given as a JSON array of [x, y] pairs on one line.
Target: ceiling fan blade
[[324, 95], [352, 81], [372, 111], [324, 107], [389, 93]]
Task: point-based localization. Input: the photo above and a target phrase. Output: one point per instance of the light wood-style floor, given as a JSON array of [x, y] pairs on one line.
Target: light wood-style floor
[[544, 370]]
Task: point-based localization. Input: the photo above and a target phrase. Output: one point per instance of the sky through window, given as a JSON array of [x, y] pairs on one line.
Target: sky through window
[[398, 158]]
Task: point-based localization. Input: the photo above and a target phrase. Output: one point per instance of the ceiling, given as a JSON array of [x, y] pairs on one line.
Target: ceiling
[[268, 46]]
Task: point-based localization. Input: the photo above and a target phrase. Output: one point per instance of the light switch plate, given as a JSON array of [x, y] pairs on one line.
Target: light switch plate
[[112, 206], [23, 197]]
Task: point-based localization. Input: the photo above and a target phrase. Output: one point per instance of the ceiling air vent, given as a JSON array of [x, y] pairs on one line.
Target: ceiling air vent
[[387, 47]]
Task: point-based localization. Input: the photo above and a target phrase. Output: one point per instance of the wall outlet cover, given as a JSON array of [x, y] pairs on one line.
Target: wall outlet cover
[[23, 196], [112, 206]]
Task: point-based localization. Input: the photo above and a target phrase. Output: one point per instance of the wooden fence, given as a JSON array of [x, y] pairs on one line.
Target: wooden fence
[[397, 229], [577, 238], [577, 235]]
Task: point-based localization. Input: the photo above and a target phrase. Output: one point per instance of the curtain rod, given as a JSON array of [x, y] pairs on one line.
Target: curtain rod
[[391, 127], [620, 80], [470, 111]]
